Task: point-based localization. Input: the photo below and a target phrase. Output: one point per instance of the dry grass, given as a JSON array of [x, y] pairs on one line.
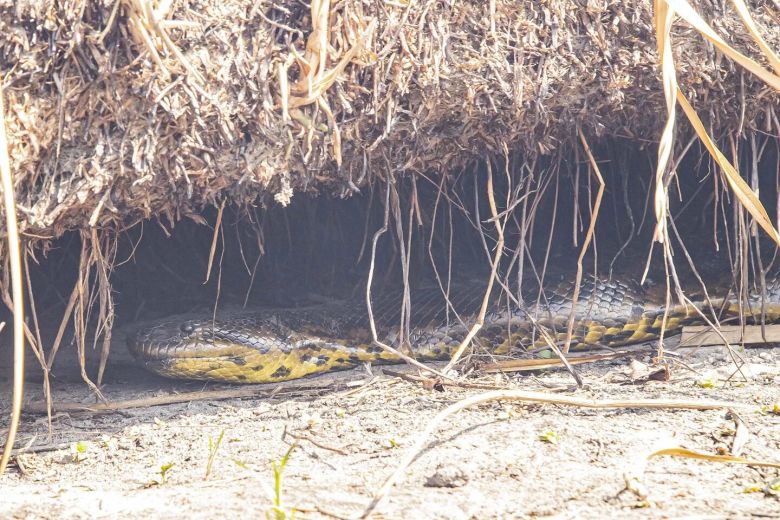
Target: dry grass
[[665, 13], [15, 267], [148, 109]]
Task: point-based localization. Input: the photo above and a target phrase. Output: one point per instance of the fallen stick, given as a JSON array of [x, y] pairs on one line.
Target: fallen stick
[[704, 335], [525, 365]]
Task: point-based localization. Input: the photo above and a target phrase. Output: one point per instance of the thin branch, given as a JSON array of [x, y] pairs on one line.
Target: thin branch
[[586, 243], [14, 259]]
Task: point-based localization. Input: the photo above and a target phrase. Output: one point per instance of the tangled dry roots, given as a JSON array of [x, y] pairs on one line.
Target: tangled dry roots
[[126, 109]]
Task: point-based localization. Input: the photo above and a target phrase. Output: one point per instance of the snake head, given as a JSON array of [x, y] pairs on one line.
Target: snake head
[[167, 344], [171, 338], [230, 349]]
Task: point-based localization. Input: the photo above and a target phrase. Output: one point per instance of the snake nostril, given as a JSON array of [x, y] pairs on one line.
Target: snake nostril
[[187, 327]]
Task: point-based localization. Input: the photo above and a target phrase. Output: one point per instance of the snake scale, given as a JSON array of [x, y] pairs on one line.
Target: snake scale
[[277, 344]]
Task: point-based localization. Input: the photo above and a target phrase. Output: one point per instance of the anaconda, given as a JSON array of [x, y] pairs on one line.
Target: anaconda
[[278, 344]]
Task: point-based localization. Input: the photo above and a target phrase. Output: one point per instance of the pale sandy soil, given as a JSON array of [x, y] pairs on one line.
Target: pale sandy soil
[[489, 461]]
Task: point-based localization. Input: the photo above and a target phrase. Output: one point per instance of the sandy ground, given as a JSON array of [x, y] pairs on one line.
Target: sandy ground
[[490, 461]]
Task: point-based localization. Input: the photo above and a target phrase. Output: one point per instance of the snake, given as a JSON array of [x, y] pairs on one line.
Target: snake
[[275, 344]]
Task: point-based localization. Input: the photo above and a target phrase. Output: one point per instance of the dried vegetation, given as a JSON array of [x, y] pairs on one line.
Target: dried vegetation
[[130, 109]]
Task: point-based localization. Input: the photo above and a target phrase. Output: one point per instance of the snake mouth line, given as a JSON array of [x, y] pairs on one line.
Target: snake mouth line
[[151, 353]]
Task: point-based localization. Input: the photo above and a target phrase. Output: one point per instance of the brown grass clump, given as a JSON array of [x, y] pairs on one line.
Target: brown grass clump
[[129, 109], [124, 110]]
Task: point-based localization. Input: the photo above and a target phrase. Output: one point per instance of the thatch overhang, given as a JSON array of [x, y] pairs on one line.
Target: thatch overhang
[[116, 114]]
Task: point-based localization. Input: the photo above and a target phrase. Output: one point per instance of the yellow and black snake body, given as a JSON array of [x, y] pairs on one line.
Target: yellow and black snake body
[[278, 344]]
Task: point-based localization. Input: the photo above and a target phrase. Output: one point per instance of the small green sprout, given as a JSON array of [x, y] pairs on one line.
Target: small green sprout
[[770, 489], [277, 512], [707, 382], [213, 447], [79, 451], [391, 444], [549, 436], [505, 414], [164, 471], [241, 464]]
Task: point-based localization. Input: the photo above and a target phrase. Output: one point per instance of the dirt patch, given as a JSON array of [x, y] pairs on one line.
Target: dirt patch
[[490, 461]]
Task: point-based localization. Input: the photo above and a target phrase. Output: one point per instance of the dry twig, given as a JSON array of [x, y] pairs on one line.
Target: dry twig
[[14, 258]]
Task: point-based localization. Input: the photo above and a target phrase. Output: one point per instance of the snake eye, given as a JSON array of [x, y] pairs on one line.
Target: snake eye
[[187, 327]]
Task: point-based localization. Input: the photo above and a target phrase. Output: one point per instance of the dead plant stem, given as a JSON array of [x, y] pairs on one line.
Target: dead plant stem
[[14, 259]]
